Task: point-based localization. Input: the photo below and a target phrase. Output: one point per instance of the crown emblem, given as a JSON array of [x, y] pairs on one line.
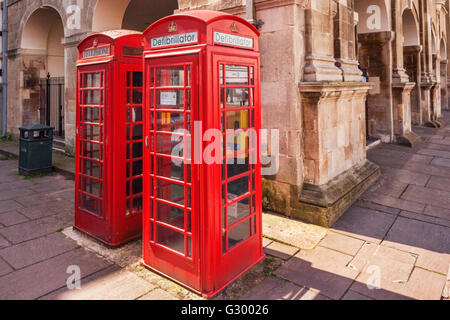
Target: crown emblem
[[234, 27], [173, 27], [95, 43]]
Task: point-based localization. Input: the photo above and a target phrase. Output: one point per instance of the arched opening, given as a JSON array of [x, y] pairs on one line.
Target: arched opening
[[411, 61], [43, 61], [373, 35], [444, 82], [127, 14]]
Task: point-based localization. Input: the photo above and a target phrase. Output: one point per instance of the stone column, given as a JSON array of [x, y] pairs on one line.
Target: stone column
[[444, 85], [411, 61], [319, 42], [375, 57], [344, 42], [401, 100], [425, 87]]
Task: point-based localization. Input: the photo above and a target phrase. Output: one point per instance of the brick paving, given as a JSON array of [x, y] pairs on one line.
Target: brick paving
[[393, 243]]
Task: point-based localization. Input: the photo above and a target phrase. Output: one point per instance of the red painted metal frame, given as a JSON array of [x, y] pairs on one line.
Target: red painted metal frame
[[114, 226], [212, 266]]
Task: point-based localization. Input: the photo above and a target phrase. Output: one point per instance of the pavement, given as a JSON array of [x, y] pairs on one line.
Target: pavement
[[393, 243]]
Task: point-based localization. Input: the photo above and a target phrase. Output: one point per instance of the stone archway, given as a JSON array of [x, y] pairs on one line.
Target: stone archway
[[411, 61], [444, 83], [42, 54], [127, 14], [374, 55]]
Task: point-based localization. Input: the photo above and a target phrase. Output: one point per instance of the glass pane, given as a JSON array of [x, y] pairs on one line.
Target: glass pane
[[236, 75], [136, 186], [238, 211], [169, 121], [93, 133], [137, 96], [137, 168], [236, 169], [237, 188], [137, 79], [237, 119], [170, 77], [90, 204], [221, 74], [239, 234], [170, 191], [173, 99], [170, 169], [136, 114], [237, 97], [170, 238], [188, 76], [93, 98], [92, 80], [93, 115], [91, 168], [170, 145], [137, 150], [91, 186], [170, 215], [137, 132], [137, 204], [91, 150]]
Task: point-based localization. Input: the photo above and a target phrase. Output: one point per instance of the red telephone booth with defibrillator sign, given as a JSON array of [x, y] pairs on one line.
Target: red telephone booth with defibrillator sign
[[109, 136], [202, 172]]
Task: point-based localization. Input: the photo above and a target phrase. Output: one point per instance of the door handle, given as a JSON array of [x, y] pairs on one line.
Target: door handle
[[146, 141]]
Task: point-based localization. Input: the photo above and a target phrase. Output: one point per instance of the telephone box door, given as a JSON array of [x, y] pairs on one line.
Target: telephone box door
[[171, 209], [91, 150]]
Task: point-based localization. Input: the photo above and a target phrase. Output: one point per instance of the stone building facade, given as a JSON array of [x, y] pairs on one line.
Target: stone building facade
[[324, 63]]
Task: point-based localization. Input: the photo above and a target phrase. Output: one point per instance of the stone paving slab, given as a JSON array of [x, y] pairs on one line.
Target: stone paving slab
[[11, 218], [406, 176], [432, 245], [295, 233], [158, 294], [47, 209], [385, 200], [4, 243], [427, 196], [439, 183], [435, 153], [4, 268], [437, 212], [35, 228], [425, 218], [341, 243], [352, 295], [40, 279], [442, 162], [376, 207], [427, 169], [37, 250], [276, 289], [422, 285], [280, 250], [9, 205], [266, 242], [112, 283], [322, 269], [364, 224]]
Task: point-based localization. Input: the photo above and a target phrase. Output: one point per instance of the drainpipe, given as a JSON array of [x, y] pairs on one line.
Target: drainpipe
[[5, 66], [251, 14]]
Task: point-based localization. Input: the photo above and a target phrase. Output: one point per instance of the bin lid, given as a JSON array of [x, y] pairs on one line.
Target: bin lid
[[36, 127]]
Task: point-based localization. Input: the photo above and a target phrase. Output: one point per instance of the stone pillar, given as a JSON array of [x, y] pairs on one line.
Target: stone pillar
[[401, 100], [444, 85], [436, 90], [319, 42], [411, 61], [335, 165], [425, 87], [375, 57], [344, 42]]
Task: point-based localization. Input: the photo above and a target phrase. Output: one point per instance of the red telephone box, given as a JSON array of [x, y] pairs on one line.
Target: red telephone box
[[202, 218], [109, 146]]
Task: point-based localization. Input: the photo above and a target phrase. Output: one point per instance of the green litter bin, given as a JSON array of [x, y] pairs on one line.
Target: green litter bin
[[35, 154]]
